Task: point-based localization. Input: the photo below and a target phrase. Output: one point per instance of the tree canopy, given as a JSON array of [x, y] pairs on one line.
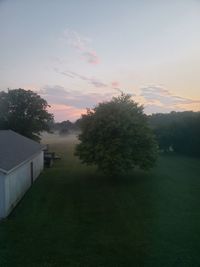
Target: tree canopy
[[25, 112], [116, 137], [65, 127], [178, 130]]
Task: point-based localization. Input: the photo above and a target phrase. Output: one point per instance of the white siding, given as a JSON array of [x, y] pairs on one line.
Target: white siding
[[18, 181], [38, 165], [2, 195]]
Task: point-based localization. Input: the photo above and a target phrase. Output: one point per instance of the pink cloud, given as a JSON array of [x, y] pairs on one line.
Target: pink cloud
[[91, 57], [63, 112], [69, 105], [115, 84], [82, 45]]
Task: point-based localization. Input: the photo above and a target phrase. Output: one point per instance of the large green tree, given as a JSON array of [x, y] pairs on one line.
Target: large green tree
[[25, 112], [116, 137]]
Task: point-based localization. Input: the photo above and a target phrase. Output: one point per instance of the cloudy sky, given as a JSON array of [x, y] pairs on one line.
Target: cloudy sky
[[76, 53]]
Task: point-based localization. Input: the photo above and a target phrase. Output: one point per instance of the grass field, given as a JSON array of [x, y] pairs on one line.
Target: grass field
[[75, 216]]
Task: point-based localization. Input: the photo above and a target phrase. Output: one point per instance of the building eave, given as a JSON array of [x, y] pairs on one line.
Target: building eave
[[3, 171], [22, 163]]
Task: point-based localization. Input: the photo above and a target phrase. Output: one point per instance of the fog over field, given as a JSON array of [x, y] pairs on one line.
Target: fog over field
[[56, 138]]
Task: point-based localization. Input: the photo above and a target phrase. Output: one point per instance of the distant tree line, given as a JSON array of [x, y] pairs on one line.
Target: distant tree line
[[177, 131], [25, 112], [65, 127]]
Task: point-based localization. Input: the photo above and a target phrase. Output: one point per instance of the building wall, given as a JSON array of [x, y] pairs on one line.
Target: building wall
[[18, 181], [38, 165], [2, 195]]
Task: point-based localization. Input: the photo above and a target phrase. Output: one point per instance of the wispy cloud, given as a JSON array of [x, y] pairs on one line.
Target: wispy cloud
[[91, 80], [82, 45], [91, 57], [70, 104], [96, 82], [65, 73], [75, 39], [60, 95], [158, 99]]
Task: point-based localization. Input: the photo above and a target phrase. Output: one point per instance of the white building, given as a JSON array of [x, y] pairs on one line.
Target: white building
[[21, 161]]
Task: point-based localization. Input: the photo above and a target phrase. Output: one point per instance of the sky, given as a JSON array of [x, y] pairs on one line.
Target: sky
[[77, 53]]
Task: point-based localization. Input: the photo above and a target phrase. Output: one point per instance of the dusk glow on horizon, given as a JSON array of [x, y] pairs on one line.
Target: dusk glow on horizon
[[76, 54]]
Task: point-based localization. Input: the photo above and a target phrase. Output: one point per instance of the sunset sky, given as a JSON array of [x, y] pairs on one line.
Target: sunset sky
[[76, 53]]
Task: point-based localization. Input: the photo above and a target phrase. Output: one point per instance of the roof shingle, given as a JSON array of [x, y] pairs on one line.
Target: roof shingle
[[15, 149]]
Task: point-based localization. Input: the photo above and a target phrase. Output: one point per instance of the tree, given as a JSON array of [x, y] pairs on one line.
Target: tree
[[116, 137], [24, 112], [178, 130], [65, 127]]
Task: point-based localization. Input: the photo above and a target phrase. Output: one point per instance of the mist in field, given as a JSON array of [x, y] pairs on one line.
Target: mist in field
[[56, 138]]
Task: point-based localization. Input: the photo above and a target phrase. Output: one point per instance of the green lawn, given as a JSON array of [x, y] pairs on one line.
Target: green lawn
[[74, 216]]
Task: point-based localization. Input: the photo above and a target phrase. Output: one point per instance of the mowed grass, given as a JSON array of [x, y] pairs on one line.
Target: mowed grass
[[75, 216]]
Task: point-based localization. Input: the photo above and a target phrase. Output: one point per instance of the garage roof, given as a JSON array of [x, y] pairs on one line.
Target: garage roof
[[15, 149]]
